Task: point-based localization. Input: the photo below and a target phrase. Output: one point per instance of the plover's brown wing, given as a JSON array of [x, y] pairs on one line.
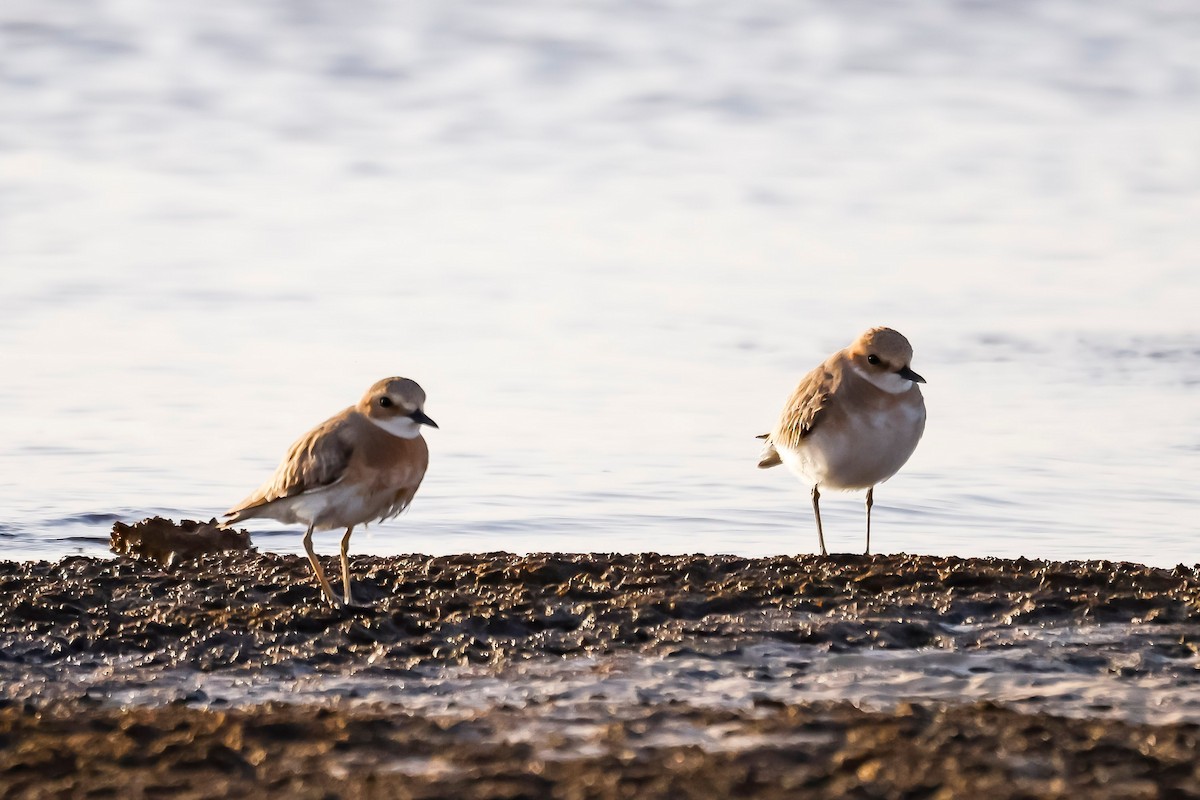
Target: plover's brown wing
[[316, 460], [805, 408]]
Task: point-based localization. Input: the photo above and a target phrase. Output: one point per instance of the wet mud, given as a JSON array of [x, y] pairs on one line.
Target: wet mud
[[259, 609], [783, 751], [600, 675]]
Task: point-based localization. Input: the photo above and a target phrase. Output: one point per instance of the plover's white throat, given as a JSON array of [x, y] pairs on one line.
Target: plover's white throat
[[363, 465], [852, 422]]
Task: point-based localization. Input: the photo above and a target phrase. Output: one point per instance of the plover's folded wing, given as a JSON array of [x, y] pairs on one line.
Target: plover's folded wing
[[804, 408], [317, 460]]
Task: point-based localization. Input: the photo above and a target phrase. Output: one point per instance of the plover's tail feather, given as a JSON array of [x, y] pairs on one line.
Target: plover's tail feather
[[236, 515], [769, 457]]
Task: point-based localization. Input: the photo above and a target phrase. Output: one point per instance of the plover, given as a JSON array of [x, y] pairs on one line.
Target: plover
[[360, 466], [852, 422]]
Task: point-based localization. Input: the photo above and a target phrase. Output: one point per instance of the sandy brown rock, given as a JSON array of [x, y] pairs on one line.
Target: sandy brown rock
[[167, 542]]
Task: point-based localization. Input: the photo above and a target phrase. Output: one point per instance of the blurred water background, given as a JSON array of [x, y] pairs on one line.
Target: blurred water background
[[607, 238]]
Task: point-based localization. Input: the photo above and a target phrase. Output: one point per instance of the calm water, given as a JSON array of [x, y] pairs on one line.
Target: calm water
[[607, 238]]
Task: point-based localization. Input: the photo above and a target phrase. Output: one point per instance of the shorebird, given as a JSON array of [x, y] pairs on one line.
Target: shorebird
[[360, 466], [852, 422]]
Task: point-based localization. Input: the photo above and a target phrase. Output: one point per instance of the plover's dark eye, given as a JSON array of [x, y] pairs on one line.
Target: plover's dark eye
[[873, 359], [385, 402]]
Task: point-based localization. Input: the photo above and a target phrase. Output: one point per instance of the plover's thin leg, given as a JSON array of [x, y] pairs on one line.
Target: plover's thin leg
[[316, 565], [346, 567], [870, 502], [816, 496]]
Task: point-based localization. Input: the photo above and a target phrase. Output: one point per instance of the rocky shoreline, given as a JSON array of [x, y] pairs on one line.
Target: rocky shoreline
[[600, 675]]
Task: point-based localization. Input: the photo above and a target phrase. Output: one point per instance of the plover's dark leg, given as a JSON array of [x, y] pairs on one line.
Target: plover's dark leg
[[870, 502], [346, 567], [316, 565], [816, 497]]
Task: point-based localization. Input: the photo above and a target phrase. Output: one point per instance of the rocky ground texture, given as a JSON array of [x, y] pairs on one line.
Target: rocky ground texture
[[600, 675]]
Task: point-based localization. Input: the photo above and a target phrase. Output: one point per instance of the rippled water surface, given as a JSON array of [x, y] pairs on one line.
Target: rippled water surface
[[607, 239]]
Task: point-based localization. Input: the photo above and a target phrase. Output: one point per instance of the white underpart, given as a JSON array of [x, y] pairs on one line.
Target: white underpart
[[403, 427], [338, 501], [912, 415], [806, 463], [890, 382], [864, 448]]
